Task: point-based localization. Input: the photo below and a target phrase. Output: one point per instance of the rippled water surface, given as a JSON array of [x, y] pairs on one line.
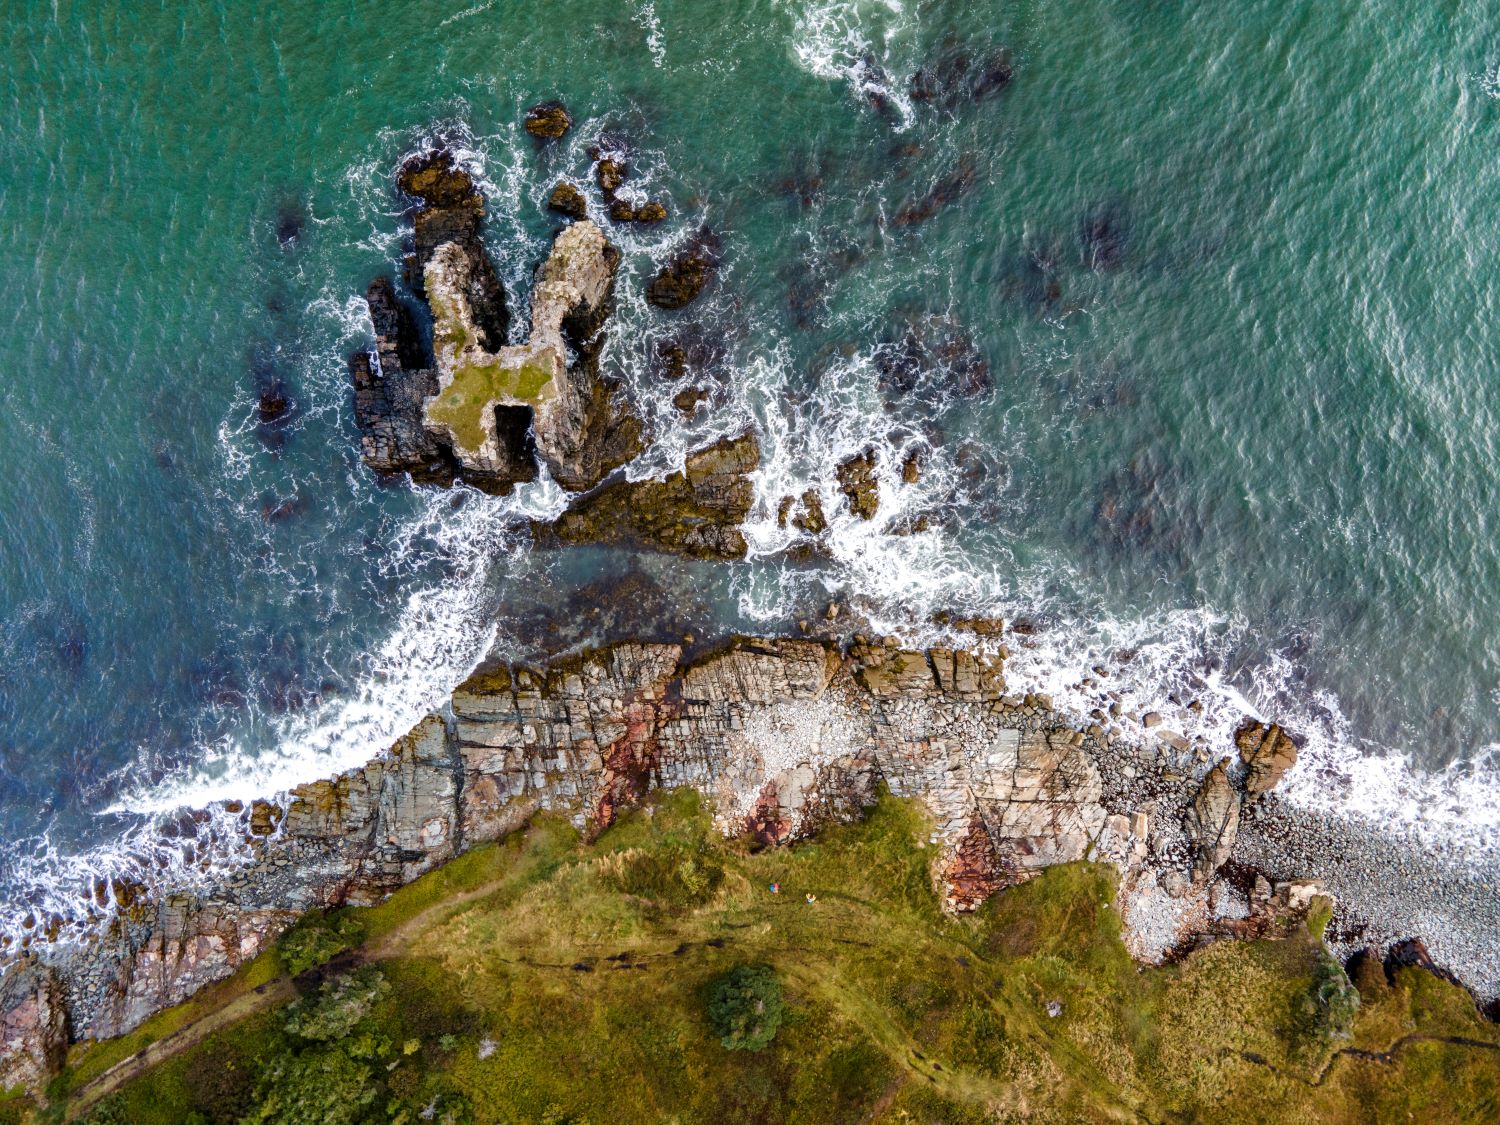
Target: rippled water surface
[[1192, 323]]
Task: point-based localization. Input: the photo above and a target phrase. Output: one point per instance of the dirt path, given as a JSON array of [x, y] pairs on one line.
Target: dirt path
[[281, 990], [278, 991]]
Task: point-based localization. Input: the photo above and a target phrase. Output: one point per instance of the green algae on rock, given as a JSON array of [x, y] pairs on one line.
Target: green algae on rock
[[696, 512]]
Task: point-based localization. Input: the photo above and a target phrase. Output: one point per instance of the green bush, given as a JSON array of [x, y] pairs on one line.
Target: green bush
[[745, 1007], [337, 1006], [323, 1085], [316, 940]]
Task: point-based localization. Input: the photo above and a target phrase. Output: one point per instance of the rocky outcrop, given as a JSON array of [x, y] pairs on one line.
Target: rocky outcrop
[[695, 512], [1214, 821], [33, 1026], [548, 120], [782, 735], [501, 409], [859, 484], [567, 200], [477, 409], [1268, 752]]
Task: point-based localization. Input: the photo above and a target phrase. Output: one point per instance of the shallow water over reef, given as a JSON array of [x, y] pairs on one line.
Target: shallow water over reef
[[1188, 314]]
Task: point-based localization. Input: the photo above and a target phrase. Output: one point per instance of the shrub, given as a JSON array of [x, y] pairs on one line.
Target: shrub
[[338, 1005], [745, 1007], [315, 941], [322, 1085]]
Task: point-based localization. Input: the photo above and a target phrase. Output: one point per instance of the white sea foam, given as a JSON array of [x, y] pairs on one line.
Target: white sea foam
[[855, 41]]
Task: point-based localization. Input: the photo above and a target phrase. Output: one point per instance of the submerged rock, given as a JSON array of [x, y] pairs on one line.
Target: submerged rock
[[696, 512], [949, 189], [548, 120], [568, 200], [959, 74], [681, 280], [1267, 751], [649, 212]]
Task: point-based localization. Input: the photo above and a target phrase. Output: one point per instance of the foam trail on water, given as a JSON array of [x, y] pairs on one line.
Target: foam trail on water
[[838, 41]]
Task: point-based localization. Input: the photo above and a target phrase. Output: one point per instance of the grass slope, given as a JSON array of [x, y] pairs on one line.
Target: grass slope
[[546, 979]]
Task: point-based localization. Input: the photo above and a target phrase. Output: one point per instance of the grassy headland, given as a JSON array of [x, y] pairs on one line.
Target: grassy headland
[[550, 979]]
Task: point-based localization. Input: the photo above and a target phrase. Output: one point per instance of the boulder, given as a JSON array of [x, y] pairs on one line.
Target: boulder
[[681, 280], [548, 120], [857, 482], [33, 1026], [1214, 822], [1267, 751], [568, 200]]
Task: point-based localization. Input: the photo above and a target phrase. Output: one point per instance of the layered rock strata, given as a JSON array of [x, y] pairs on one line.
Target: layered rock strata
[[782, 735]]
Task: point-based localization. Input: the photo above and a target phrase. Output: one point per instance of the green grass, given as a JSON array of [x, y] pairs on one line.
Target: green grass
[[582, 972]]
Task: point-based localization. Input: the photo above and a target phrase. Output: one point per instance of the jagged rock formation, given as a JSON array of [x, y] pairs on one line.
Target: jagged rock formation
[[33, 1026], [783, 736], [1214, 820], [477, 409], [1268, 752], [696, 512]]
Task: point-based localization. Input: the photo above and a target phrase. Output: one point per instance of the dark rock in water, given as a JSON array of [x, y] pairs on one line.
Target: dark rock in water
[[290, 219], [273, 403], [1101, 235], [857, 481], [276, 510], [696, 512], [948, 190], [691, 351], [650, 212], [871, 80], [548, 120], [452, 211], [610, 172], [810, 517], [680, 281], [687, 400], [957, 74], [568, 200]]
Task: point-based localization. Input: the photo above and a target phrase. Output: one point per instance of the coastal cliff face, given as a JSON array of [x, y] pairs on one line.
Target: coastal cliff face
[[782, 735]]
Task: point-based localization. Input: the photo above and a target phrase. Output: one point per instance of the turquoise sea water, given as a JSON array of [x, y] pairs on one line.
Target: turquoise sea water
[[1230, 270]]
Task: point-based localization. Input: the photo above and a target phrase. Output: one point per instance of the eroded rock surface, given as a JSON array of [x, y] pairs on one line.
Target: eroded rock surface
[[1267, 751], [33, 1026], [1215, 820]]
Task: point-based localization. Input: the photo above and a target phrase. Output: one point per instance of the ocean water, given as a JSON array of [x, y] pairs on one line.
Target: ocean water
[[1192, 324]]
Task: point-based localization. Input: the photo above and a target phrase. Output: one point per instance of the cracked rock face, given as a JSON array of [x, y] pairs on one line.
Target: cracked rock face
[[1215, 820], [1268, 752], [33, 1026]]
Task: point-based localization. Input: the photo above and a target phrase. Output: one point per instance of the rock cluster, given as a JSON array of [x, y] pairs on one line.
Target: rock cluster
[[477, 409]]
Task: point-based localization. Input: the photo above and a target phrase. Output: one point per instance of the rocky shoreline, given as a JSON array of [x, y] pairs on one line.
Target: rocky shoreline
[[783, 735]]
